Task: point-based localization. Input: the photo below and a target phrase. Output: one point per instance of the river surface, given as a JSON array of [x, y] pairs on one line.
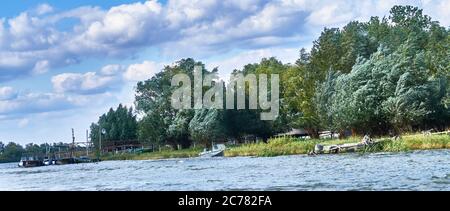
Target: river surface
[[418, 170]]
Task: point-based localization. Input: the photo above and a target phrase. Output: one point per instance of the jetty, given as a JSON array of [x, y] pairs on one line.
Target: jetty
[[65, 154]]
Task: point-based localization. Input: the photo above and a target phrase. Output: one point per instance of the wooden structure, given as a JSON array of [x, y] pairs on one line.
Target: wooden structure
[[120, 146], [294, 133]]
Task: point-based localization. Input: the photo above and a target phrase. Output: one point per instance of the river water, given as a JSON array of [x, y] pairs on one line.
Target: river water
[[418, 170]]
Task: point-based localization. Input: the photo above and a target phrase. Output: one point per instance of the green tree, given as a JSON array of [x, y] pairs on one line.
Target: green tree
[[119, 124], [207, 126], [11, 153], [153, 101]]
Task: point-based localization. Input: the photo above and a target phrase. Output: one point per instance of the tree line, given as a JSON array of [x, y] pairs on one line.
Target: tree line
[[12, 152], [382, 77]]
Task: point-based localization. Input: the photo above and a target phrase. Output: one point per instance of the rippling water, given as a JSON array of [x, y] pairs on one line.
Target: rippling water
[[419, 170]]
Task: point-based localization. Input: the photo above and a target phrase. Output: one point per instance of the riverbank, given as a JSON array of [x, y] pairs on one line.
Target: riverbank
[[295, 146], [163, 154], [292, 146]]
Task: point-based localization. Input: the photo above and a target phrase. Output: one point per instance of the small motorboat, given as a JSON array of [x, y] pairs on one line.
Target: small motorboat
[[217, 151], [48, 162]]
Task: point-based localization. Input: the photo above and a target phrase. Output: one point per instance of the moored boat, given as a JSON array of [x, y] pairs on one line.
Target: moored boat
[[65, 161], [217, 151], [27, 162]]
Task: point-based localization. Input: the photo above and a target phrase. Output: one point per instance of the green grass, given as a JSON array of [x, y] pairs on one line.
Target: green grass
[[163, 154], [291, 146], [278, 146], [283, 146]]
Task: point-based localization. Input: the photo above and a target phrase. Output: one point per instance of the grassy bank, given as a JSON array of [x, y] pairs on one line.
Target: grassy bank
[[163, 154], [294, 146]]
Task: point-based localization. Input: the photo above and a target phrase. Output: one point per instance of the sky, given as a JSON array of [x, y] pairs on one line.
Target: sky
[[64, 63]]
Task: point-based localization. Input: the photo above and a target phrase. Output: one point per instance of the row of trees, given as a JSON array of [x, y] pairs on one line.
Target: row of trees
[[12, 152], [383, 76]]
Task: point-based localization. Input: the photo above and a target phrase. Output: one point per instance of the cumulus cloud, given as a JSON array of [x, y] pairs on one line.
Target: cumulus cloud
[[109, 78], [143, 71], [33, 43], [127, 24], [86, 83]]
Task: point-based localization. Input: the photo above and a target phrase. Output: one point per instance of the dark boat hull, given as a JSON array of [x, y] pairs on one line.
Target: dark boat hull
[[31, 163], [65, 161]]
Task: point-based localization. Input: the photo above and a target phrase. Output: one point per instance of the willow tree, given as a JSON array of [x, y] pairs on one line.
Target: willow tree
[[208, 126]]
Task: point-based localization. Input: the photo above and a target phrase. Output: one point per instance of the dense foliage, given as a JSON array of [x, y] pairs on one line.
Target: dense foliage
[[116, 125], [383, 76]]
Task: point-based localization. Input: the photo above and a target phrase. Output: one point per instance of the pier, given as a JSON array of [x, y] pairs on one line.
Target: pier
[[62, 154]]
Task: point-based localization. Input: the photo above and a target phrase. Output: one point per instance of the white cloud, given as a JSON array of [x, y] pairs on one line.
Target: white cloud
[[329, 15], [87, 83], [126, 25], [44, 9], [111, 69], [7, 93], [35, 103], [109, 78], [439, 10], [29, 33], [143, 71], [227, 65], [41, 67], [24, 104]]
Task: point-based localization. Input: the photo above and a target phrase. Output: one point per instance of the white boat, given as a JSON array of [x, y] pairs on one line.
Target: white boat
[[217, 151], [47, 162]]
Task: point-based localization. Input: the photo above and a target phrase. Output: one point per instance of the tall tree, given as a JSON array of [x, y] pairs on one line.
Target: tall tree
[[118, 125]]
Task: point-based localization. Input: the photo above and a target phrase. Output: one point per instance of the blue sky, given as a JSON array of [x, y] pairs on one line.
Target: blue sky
[[64, 63]]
